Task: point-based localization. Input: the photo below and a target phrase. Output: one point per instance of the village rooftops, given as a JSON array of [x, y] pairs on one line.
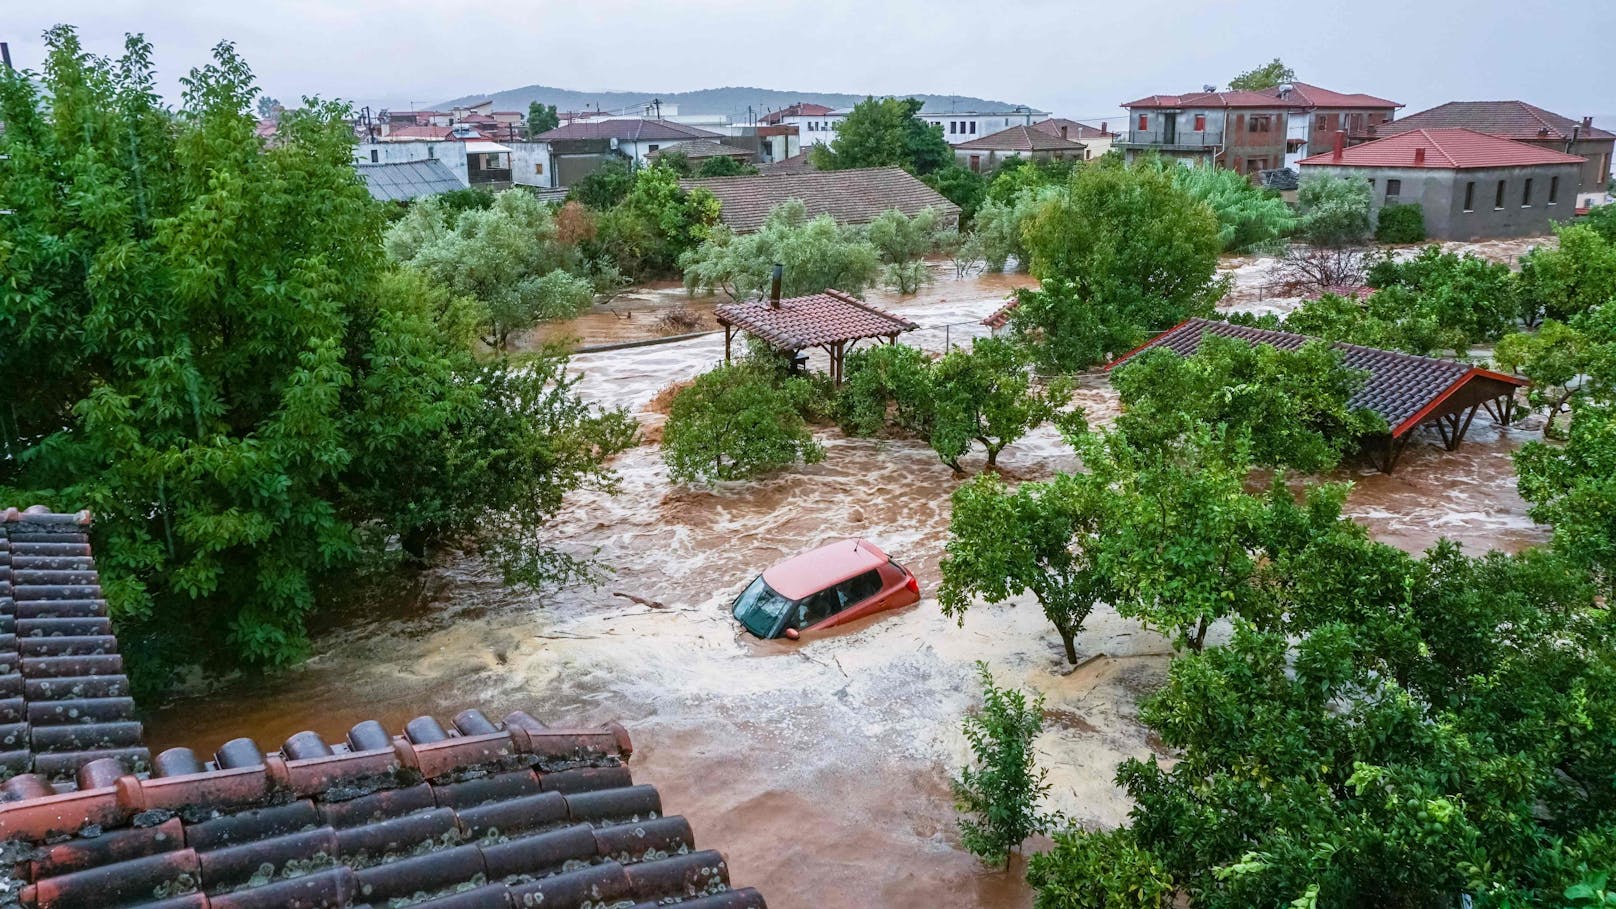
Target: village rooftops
[[1210, 100], [1442, 148], [856, 196], [1074, 130], [1312, 97], [701, 149], [1023, 139], [800, 109], [631, 130], [1506, 119]]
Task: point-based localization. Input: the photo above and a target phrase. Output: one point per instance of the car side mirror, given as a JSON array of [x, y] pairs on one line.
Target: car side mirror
[[792, 634]]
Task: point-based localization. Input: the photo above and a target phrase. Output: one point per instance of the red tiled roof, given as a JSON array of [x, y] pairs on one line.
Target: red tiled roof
[[1074, 129], [1507, 119], [1001, 317], [1211, 99], [856, 196], [419, 132], [64, 699], [1312, 96], [1403, 388], [1445, 149], [803, 322], [803, 109], [626, 131], [1022, 138]]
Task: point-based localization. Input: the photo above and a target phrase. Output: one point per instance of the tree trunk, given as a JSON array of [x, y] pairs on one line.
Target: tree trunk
[[1199, 639]]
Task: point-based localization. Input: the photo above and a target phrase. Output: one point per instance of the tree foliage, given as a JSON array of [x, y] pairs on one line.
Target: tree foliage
[[1572, 488], [606, 185], [1270, 75], [541, 118], [1098, 870], [817, 254], [229, 374], [1247, 216], [885, 132], [1400, 223], [737, 422], [999, 796], [1334, 210], [1572, 277], [960, 185]]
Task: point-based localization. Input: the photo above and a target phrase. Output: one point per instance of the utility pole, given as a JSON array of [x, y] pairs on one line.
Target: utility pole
[[657, 103], [5, 55]]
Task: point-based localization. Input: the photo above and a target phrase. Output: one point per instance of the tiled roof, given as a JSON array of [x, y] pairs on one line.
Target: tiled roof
[[404, 180], [696, 149], [796, 164], [64, 699], [1313, 96], [1402, 388], [1022, 138], [1507, 119], [1000, 317], [476, 815], [1074, 129], [855, 196], [626, 131], [419, 132], [803, 322], [1445, 149], [1211, 99], [803, 109]]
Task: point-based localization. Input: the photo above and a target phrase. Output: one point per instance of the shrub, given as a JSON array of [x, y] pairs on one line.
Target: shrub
[[1098, 870], [1247, 216], [1403, 223], [737, 422], [817, 254], [999, 796], [1334, 210]]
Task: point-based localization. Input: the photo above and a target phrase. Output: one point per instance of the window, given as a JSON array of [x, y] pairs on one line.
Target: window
[[1200, 123], [1554, 190], [1498, 197], [976, 164], [856, 590], [375, 156], [1144, 121], [1526, 193], [817, 608], [538, 167], [652, 147], [1394, 188], [1322, 123], [1470, 196], [1260, 123], [431, 152], [973, 127], [953, 127]]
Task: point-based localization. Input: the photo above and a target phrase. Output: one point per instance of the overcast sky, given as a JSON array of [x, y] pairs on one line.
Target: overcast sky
[[1078, 59]]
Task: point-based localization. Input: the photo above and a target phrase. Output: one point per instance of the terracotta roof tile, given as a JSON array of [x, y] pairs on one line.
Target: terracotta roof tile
[[1212, 99], [855, 196], [1313, 97], [1074, 129], [1401, 387], [1506, 119], [802, 322], [1443, 149], [1023, 138], [801, 109], [626, 131], [698, 149], [796, 164]]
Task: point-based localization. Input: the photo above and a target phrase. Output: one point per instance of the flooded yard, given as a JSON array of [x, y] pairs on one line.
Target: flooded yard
[[820, 768]]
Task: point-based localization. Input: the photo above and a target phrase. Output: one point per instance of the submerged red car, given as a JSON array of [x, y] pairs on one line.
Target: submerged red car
[[822, 588]]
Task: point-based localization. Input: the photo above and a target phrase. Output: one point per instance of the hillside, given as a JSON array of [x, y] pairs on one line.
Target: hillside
[[732, 101]]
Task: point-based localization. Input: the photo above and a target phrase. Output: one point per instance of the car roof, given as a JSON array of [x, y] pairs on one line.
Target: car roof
[[817, 569]]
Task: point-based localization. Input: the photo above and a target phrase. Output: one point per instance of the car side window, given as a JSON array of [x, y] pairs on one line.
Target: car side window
[[856, 590], [817, 608]]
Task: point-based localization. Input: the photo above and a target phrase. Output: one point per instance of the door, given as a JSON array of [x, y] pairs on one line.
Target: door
[[1169, 129]]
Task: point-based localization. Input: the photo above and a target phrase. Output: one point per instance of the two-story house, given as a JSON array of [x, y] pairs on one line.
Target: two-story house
[[1319, 113], [1242, 131]]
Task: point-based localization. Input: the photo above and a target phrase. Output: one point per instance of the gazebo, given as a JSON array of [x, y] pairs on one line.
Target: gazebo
[[1408, 391], [832, 321]]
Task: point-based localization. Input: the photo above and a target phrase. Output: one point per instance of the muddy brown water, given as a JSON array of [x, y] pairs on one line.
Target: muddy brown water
[[821, 769]]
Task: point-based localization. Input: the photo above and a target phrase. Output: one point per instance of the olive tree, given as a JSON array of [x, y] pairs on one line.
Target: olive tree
[[817, 253], [738, 422]]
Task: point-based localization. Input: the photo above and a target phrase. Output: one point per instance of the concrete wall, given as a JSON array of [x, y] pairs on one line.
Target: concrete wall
[[452, 154], [531, 164], [1154, 128], [1226, 131], [1441, 194], [988, 160]]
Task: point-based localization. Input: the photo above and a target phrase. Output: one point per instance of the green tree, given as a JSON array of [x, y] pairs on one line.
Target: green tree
[[1247, 216], [1137, 249], [1403, 223], [738, 422], [888, 385], [1039, 538], [1104, 869], [1282, 408], [1467, 294], [1334, 211], [1573, 277], [724, 166], [999, 797], [1270, 75], [1572, 488], [268, 108], [961, 186], [541, 118], [227, 365], [903, 243], [606, 185], [506, 257], [885, 132], [986, 394], [817, 254], [1560, 362]]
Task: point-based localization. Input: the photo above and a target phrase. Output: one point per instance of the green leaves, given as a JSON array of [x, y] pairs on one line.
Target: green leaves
[[885, 132], [1334, 210], [738, 422], [817, 254], [999, 796], [1247, 216]]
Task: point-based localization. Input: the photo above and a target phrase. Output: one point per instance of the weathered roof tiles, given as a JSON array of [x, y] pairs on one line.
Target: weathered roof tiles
[[813, 320], [855, 196]]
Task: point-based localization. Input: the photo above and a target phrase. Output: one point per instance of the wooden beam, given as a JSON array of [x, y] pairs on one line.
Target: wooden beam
[[728, 333]]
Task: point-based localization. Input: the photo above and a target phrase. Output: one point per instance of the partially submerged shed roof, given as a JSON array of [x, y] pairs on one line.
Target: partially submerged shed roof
[[470, 815], [1408, 391], [856, 196], [798, 323]]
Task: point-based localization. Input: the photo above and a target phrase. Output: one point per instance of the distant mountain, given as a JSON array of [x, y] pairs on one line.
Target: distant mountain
[[730, 101]]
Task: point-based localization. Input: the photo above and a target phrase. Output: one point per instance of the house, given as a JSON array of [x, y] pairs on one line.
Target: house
[[1320, 113], [1522, 122], [474, 161], [986, 153], [957, 126], [574, 150], [798, 163], [787, 114], [856, 196], [472, 812], [699, 150], [1470, 185], [1098, 139], [1242, 131]]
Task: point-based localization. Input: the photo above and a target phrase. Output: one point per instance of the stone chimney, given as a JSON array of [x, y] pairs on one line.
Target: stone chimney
[[1419, 156]]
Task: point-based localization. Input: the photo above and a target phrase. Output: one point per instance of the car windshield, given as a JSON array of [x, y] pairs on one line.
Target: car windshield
[[760, 608]]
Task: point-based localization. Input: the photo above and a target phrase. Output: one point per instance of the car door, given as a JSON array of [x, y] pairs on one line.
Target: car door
[[816, 608], [858, 596]]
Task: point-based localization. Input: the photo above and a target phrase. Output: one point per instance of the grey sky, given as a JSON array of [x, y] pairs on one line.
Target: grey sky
[[1074, 58]]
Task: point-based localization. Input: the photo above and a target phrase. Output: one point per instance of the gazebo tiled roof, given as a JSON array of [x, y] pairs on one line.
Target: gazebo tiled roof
[[798, 323]]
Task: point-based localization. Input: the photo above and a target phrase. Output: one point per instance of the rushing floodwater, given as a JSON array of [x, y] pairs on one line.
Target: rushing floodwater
[[820, 768]]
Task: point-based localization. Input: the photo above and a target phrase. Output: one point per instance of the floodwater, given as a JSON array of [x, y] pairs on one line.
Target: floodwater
[[821, 768]]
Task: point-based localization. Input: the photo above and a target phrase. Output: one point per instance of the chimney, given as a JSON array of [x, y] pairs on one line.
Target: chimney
[[1419, 156], [1103, 126], [1340, 145], [1587, 122], [774, 285], [1063, 132]]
